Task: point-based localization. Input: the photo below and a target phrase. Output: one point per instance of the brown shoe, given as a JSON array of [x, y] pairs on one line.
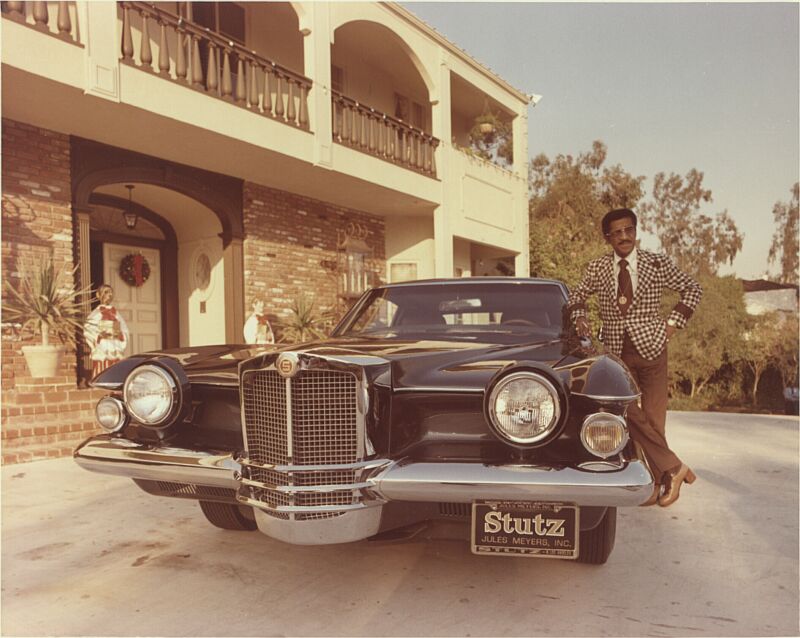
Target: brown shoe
[[654, 496], [673, 487]]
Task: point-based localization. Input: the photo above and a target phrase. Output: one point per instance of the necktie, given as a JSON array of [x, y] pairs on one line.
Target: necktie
[[625, 288]]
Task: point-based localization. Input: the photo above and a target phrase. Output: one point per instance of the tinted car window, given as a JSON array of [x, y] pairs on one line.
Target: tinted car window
[[451, 309]]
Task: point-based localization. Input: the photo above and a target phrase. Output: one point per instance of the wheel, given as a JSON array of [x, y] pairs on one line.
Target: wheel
[[227, 516], [596, 543]]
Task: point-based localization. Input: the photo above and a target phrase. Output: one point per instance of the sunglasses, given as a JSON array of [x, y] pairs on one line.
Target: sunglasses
[[617, 234]]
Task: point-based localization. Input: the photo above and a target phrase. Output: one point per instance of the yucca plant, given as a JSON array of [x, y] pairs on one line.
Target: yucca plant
[[303, 324], [44, 302]]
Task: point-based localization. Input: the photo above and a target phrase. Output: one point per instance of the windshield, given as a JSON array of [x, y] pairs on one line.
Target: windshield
[[459, 309]]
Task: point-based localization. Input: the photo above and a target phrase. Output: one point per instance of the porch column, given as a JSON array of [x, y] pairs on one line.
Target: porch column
[[442, 244], [99, 19], [233, 261], [520, 134], [441, 119], [84, 276], [317, 57], [521, 216]]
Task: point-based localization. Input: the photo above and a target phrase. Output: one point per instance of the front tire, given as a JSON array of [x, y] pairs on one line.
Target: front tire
[[596, 543], [227, 516]]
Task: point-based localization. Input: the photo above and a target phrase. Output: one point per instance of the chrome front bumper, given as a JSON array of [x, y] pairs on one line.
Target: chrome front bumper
[[628, 483]]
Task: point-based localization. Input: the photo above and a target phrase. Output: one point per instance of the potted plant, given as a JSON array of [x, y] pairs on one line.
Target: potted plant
[[303, 323], [44, 302]]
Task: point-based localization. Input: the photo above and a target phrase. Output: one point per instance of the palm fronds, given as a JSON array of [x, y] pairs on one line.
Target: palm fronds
[[45, 302], [303, 324]]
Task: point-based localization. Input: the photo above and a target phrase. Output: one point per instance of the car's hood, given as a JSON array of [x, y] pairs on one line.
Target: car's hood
[[415, 364]]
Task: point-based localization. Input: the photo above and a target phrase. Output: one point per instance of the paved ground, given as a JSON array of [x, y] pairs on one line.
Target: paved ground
[[85, 554]]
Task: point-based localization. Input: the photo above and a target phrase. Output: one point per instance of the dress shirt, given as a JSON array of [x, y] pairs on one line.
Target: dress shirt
[[632, 269]]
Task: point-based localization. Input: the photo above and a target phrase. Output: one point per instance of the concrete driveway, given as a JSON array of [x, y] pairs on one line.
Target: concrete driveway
[[86, 554]]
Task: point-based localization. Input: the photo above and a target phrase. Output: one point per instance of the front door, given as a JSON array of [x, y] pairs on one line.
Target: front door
[[139, 305]]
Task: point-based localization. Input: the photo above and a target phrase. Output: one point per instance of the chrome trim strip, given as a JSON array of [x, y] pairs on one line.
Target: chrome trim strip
[[289, 431], [604, 397], [291, 489], [304, 509], [432, 388], [109, 454], [315, 468], [467, 482]]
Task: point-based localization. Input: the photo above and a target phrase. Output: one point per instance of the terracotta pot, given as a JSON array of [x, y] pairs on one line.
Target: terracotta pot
[[43, 361]]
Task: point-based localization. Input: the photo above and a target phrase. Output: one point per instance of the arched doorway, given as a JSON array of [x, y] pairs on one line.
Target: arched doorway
[[191, 218]]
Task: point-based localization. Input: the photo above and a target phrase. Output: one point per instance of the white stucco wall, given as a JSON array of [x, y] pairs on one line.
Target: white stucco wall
[[201, 326], [410, 241]]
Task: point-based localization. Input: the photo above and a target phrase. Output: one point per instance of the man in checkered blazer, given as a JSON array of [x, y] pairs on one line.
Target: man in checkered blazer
[[629, 283]]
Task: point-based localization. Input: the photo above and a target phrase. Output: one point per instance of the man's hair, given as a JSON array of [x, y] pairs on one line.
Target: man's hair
[[614, 215]]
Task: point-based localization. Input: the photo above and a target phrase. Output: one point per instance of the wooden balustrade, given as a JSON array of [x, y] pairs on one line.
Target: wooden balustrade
[[208, 62], [376, 133], [41, 17]]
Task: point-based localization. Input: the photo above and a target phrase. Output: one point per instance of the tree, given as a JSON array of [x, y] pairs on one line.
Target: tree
[[784, 248], [712, 337], [699, 243], [760, 346], [785, 352], [569, 196]]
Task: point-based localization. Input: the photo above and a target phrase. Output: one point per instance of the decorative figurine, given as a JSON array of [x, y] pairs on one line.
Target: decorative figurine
[[105, 332], [257, 329]]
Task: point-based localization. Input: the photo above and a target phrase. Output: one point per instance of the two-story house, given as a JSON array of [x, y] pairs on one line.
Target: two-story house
[[242, 151]]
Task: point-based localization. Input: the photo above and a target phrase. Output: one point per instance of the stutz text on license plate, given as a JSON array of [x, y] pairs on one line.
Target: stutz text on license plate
[[543, 530]]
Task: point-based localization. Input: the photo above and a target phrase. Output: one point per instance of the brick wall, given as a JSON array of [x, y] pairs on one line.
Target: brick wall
[[289, 240], [37, 220], [41, 418]]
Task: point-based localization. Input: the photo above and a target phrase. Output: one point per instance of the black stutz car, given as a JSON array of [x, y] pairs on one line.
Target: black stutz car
[[464, 398]]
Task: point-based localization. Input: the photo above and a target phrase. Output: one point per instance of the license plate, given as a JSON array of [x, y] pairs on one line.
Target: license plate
[[536, 530]]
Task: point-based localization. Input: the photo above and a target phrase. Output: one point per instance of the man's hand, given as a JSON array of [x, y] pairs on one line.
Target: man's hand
[[582, 327], [671, 330]]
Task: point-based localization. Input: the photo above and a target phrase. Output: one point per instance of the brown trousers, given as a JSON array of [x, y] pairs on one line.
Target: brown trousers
[[648, 422]]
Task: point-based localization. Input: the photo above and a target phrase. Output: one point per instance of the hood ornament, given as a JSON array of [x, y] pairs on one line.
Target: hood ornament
[[288, 364]]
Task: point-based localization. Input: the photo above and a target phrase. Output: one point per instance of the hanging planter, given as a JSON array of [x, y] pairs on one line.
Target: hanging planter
[[134, 270], [491, 139]]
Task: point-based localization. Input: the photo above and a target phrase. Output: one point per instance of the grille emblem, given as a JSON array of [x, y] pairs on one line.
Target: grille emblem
[[288, 364]]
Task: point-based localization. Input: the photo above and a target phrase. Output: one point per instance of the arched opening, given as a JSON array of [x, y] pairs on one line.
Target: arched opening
[[274, 32], [371, 64], [188, 283], [189, 224]]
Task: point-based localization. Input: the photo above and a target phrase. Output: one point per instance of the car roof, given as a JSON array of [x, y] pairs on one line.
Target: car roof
[[474, 280]]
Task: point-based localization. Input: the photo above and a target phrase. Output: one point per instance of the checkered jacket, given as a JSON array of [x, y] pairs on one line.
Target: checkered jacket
[[643, 321]]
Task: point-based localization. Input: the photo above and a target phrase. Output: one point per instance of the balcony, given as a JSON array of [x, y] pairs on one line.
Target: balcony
[[259, 105], [207, 62], [365, 129], [53, 18]]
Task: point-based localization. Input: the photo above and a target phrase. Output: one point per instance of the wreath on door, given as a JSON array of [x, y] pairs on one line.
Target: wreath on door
[[134, 269]]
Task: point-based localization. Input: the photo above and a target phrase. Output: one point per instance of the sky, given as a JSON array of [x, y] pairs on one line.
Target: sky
[[667, 87]]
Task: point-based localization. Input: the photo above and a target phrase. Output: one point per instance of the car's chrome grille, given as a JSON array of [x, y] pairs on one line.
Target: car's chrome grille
[[264, 397], [324, 418], [318, 410]]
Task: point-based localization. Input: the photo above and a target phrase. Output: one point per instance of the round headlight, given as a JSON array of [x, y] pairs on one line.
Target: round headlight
[[604, 434], [110, 414], [524, 407], [149, 394]]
